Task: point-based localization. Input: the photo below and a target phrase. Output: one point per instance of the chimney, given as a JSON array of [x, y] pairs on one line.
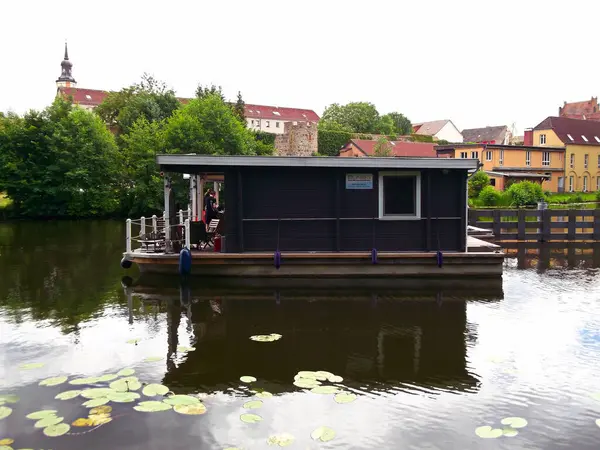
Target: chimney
[[528, 137]]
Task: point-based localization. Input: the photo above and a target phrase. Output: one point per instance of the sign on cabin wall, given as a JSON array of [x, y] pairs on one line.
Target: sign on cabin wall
[[359, 181]]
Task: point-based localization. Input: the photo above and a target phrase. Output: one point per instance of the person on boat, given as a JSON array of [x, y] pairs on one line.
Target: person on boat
[[210, 206]]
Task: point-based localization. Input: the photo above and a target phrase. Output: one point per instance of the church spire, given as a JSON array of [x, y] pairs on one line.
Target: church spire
[[66, 77]]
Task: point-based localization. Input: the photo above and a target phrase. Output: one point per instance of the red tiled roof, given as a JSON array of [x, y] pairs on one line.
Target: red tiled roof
[[579, 108], [591, 116], [414, 149], [575, 128], [275, 113], [87, 97]]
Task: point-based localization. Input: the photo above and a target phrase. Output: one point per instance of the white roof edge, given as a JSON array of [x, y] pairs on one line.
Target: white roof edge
[[312, 161]]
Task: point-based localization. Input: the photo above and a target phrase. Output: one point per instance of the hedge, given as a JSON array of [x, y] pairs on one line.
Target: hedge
[[330, 142]]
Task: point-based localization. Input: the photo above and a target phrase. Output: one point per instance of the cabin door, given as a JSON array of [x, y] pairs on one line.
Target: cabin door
[[561, 184]]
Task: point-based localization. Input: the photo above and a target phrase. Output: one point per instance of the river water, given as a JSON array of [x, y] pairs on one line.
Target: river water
[[427, 365]]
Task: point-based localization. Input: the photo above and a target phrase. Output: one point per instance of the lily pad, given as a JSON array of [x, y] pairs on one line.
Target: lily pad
[[184, 349], [598, 422], [153, 358], [283, 439], [89, 380], [306, 383], [250, 418], [487, 432], [509, 432], [126, 372], [306, 374], [335, 379], [95, 393], [31, 366], [133, 341], [152, 406], [266, 337], [54, 381], [99, 419], [68, 395], [152, 390], [103, 409], [325, 390], [108, 377], [344, 397], [95, 402], [181, 400], [83, 422], [37, 415], [264, 394], [126, 384], [254, 404], [48, 421], [57, 430], [9, 398], [323, 434], [247, 379], [514, 422], [192, 410], [123, 397], [5, 411], [6, 441]]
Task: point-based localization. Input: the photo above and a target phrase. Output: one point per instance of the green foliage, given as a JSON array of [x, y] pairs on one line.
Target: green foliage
[[477, 182], [263, 136], [577, 198], [489, 196], [400, 123], [363, 117], [330, 142], [421, 138], [567, 197], [61, 162], [240, 109], [204, 91], [526, 193], [382, 148], [442, 142], [598, 196]]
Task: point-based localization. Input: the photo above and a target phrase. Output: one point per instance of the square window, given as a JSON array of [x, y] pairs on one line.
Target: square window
[[276, 124], [488, 155], [399, 195], [268, 124]]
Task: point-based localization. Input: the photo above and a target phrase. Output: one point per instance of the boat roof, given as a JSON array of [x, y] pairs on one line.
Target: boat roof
[[183, 162]]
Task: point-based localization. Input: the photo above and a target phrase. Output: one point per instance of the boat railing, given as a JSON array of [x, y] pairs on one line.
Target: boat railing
[[158, 233]]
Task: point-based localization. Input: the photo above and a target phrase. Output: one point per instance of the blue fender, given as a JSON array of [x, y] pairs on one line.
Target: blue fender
[[374, 256], [440, 258], [125, 263], [277, 259], [185, 262]]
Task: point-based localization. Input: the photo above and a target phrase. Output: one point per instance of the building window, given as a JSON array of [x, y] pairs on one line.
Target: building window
[[489, 155], [545, 158], [493, 182], [542, 139], [527, 158], [475, 155], [463, 154], [571, 180], [598, 183], [501, 159], [276, 124], [585, 185], [268, 124], [399, 195], [572, 160], [586, 160]]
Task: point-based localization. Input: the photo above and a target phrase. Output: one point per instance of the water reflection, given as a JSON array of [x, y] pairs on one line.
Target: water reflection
[[552, 255]]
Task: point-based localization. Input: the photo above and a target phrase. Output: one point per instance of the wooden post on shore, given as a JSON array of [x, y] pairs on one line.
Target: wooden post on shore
[[128, 236]]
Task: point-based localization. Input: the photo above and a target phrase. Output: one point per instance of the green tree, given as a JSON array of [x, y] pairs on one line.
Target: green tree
[[489, 196], [383, 147], [359, 117], [149, 99], [61, 162], [385, 126], [477, 182], [203, 91], [526, 193], [240, 109], [208, 126], [402, 125]]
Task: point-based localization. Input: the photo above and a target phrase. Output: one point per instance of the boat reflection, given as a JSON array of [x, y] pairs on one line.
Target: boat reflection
[[375, 340]]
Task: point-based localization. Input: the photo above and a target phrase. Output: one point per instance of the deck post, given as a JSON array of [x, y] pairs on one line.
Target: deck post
[[167, 213], [571, 230], [142, 226], [240, 211], [338, 208], [521, 224], [128, 236], [428, 223], [187, 234], [596, 219], [154, 223], [180, 217]]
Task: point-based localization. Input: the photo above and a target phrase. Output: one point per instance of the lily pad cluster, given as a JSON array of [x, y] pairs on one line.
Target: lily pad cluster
[[49, 421], [266, 337], [5, 399], [314, 381], [96, 417], [511, 426], [182, 404]]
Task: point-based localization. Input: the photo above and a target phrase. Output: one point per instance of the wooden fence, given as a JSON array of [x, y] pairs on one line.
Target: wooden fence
[[538, 225]]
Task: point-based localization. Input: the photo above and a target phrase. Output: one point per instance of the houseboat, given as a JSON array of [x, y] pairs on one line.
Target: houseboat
[[316, 217]]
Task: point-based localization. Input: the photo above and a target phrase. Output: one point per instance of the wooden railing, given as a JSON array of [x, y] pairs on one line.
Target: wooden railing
[[538, 225]]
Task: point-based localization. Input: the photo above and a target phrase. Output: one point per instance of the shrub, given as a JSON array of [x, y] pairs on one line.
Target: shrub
[[489, 196], [330, 142], [598, 196], [477, 182], [526, 193], [577, 198]]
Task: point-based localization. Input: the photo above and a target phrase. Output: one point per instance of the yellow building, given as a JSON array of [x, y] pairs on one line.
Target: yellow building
[[506, 164], [581, 139]]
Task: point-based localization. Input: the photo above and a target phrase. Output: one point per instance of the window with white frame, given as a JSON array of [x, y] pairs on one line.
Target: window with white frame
[[489, 155], [475, 155], [527, 158], [571, 183], [586, 160], [268, 124], [501, 159], [598, 161], [463, 154], [542, 139], [399, 195], [276, 124], [585, 183], [572, 163], [545, 158]]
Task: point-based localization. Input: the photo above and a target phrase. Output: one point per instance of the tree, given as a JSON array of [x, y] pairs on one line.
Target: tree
[[359, 117], [526, 193], [208, 126], [203, 91], [477, 182], [383, 147], [240, 109], [149, 99], [401, 124], [385, 126], [61, 162]]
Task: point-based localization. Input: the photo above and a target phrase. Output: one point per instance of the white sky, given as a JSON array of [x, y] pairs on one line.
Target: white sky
[[476, 62]]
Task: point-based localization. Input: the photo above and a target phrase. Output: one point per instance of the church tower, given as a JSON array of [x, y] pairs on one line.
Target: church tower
[[66, 79]]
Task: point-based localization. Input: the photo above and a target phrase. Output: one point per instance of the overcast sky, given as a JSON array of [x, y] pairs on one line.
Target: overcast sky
[[475, 62]]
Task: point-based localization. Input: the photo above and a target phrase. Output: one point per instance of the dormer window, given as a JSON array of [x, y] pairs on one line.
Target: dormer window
[[584, 138], [570, 137]]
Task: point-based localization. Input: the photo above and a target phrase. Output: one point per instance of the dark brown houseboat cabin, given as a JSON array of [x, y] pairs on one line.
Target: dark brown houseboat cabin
[[308, 204]]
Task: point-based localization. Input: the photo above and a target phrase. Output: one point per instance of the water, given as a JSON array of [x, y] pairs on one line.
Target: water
[[428, 365]]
